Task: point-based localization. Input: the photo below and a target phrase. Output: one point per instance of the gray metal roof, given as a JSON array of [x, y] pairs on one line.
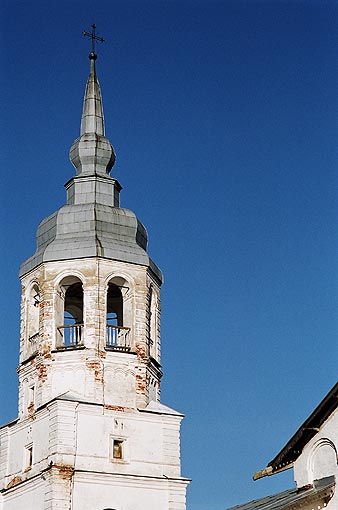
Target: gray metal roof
[[322, 490], [92, 223], [91, 230]]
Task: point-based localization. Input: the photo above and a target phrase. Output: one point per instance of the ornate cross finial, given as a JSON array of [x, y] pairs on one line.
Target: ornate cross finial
[[95, 38]]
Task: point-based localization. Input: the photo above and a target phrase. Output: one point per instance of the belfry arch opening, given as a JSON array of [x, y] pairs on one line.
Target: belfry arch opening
[[70, 312], [73, 308], [117, 331], [32, 319], [33, 314], [152, 323], [114, 305]]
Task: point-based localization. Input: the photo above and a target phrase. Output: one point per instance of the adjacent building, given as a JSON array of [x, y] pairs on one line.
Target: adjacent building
[[312, 453]]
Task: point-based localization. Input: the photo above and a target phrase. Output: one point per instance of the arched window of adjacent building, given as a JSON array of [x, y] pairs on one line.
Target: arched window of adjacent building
[[117, 332], [33, 312], [323, 459], [70, 312]]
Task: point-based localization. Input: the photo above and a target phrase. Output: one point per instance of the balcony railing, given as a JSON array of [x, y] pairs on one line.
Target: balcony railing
[[34, 340], [33, 344], [118, 338], [71, 335]]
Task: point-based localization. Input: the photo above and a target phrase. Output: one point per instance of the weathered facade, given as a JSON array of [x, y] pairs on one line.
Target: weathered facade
[[91, 432]]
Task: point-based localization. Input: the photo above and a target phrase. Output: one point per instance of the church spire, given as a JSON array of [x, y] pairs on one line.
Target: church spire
[[92, 153], [92, 120]]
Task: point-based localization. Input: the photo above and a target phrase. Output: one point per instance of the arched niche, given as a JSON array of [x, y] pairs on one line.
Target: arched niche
[[323, 459], [69, 313]]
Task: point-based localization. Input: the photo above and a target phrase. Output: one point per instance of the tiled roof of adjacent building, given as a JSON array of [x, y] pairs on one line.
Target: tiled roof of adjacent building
[[318, 494]]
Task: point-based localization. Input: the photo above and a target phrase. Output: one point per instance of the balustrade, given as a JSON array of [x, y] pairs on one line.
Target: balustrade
[[117, 338], [71, 334]]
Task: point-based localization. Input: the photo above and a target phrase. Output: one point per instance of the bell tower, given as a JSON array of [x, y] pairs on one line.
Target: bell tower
[[91, 431]]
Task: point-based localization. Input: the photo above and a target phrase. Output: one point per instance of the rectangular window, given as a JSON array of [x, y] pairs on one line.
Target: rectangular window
[[28, 457], [31, 395], [117, 449], [30, 400]]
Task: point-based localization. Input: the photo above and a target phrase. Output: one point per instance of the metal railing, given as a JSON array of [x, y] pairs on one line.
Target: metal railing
[[118, 338], [33, 343], [71, 334]]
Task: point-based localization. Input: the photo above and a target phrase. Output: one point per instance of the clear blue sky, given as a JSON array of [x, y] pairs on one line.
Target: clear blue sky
[[224, 117]]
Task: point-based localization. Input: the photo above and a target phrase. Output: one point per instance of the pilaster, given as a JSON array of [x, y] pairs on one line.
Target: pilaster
[[58, 492]]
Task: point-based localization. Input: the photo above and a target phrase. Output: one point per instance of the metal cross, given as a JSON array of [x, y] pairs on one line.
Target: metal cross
[[93, 37]]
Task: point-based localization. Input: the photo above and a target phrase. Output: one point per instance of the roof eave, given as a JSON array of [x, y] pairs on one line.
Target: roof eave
[[291, 451]]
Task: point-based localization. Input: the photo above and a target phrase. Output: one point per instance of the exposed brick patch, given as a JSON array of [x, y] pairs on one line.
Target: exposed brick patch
[[42, 372], [65, 472], [141, 351], [43, 304], [14, 481], [305, 487], [96, 367], [141, 384], [115, 408], [30, 410], [46, 351], [49, 356]]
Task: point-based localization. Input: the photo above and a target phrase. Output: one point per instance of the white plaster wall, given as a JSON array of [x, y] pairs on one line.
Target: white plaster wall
[[319, 457], [100, 492], [29, 496], [70, 436], [151, 442], [33, 431], [4, 433]]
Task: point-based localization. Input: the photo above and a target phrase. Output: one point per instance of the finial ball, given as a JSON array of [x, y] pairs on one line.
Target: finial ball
[[92, 56]]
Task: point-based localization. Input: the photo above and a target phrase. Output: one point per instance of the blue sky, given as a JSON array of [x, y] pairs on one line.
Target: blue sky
[[224, 117]]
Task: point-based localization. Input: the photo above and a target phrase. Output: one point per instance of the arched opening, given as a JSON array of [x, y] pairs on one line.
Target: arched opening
[[114, 305], [33, 313], [71, 308], [117, 336], [324, 459], [152, 327]]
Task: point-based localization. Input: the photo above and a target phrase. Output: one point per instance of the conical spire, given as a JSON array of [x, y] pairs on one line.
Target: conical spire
[[92, 153], [92, 115], [92, 223]]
